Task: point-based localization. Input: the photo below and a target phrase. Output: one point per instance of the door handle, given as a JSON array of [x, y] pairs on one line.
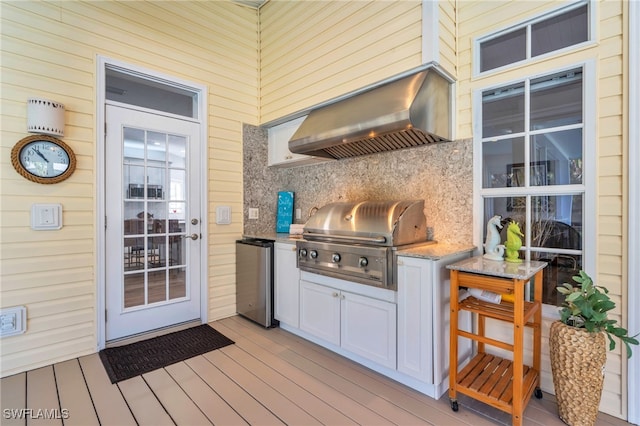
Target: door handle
[[193, 236]]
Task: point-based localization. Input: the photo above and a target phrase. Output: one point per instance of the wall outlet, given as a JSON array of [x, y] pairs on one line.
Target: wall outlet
[[298, 214], [13, 321], [253, 213]]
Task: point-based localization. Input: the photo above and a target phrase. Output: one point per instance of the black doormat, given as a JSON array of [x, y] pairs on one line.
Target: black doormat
[[124, 362]]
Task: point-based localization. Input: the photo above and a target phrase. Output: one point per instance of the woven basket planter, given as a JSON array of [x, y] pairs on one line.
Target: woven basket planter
[[577, 364]]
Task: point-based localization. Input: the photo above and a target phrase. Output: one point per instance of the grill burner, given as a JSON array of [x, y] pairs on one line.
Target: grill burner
[[356, 241]]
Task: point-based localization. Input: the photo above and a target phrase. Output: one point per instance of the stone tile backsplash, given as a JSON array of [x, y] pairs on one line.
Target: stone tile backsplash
[[440, 174]]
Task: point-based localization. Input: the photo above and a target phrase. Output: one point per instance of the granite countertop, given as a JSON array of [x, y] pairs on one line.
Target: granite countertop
[[278, 237], [435, 251], [498, 268]]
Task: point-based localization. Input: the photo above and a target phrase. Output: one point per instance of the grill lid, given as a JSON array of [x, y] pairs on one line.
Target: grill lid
[[381, 223]]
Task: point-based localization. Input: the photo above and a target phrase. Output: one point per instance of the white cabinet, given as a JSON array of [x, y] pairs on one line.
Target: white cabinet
[[360, 324], [423, 321], [286, 278], [278, 139]]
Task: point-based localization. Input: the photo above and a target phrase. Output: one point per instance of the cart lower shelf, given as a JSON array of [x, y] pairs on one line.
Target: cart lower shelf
[[489, 379]]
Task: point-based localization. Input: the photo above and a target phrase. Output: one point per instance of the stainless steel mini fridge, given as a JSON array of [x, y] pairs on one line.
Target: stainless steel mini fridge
[[254, 280]]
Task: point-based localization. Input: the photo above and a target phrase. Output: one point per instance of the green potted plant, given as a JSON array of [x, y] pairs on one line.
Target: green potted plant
[[578, 351]]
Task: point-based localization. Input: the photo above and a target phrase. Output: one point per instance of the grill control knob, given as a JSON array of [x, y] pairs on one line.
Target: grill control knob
[[335, 258], [363, 262], [303, 252], [313, 254]]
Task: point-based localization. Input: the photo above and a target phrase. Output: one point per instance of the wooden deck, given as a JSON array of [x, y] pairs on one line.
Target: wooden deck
[[269, 377]]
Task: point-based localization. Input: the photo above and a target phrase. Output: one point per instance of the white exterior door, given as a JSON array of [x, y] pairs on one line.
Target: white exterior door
[[153, 241]]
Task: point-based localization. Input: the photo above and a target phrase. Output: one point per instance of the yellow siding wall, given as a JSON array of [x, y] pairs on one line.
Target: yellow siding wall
[[49, 50], [315, 51], [477, 19], [447, 45]]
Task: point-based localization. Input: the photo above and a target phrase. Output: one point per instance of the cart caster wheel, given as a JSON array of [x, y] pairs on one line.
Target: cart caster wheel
[[454, 405], [537, 393]]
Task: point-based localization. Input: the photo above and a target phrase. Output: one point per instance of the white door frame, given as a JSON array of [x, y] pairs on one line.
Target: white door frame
[[102, 63]]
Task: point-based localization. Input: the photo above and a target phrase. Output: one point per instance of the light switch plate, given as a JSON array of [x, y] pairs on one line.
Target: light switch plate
[[253, 213], [46, 217], [223, 215]]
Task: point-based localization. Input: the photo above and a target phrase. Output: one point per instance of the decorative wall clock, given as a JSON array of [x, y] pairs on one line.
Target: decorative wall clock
[[43, 159]]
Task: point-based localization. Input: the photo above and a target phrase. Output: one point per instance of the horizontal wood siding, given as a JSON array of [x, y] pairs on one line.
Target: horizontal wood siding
[[49, 49], [312, 52], [482, 18], [448, 36]]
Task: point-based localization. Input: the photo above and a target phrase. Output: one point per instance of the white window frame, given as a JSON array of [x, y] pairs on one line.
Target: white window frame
[[589, 161], [527, 24]]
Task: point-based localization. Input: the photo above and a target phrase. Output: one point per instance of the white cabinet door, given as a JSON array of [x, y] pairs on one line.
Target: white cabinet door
[[278, 146], [415, 318], [369, 328], [320, 311], [286, 284]]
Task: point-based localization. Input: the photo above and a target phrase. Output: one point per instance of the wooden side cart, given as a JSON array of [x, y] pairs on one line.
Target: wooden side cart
[[504, 384]]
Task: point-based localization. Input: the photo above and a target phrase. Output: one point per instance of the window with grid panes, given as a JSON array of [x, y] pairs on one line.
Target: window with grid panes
[[532, 169]]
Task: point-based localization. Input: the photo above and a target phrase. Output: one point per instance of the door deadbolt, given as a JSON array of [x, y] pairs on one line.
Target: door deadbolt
[[194, 221]]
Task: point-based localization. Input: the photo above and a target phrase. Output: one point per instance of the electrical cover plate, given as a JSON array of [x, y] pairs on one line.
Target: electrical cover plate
[[13, 321], [223, 215], [46, 217]]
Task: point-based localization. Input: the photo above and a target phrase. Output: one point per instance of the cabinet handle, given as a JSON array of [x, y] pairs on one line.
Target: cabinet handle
[[400, 262], [335, 294]]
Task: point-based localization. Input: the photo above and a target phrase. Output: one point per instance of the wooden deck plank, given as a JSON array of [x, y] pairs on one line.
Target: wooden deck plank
[[177, 403], [108, 401], [42, 398], [296, 393], [145, 407], [266, 355], [399, 399], [351, 409], [74, 394], [13, 397], [278, 404], [242, 402], [210, 403]]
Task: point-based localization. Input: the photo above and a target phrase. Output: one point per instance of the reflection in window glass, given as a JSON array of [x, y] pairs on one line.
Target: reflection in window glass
[[497, 158], [503, 111], [503, 50], [557, 158], [556, 100], [561, 31]]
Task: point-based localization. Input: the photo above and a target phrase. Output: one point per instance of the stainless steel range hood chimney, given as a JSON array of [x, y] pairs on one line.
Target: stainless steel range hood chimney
[[411, 111]]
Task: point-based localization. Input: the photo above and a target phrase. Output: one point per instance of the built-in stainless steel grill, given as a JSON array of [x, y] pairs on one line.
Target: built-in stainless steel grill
[[356, 241]]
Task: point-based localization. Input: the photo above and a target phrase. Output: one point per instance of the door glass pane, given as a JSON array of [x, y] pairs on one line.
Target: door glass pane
[[496, 158], [157, 286], [556, 100], [134, 290], [503, 111], [133, 254], [177, 280], [560, 31], [503, 50], [154, 227]]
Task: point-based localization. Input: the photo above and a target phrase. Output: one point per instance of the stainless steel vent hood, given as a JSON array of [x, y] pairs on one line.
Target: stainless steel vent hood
[[411, 111]]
